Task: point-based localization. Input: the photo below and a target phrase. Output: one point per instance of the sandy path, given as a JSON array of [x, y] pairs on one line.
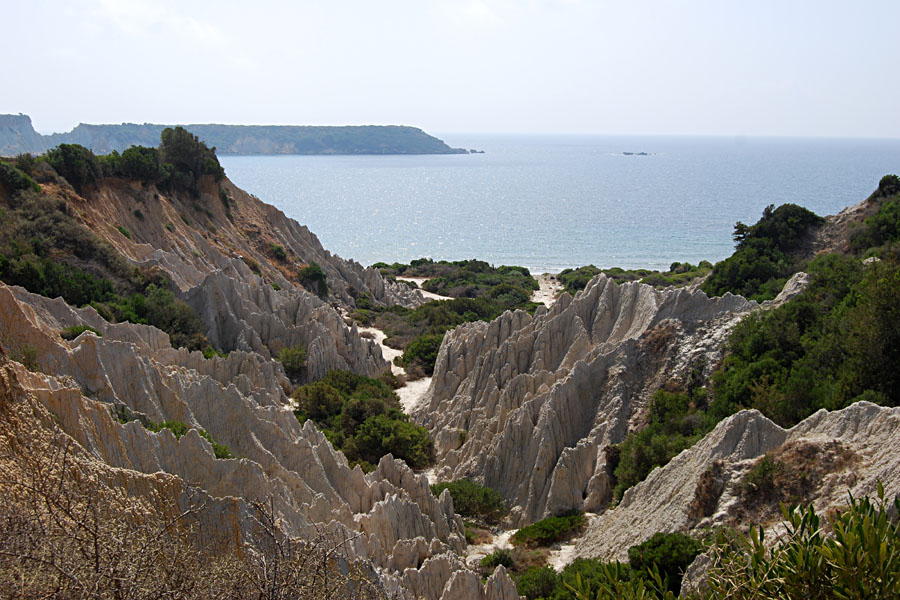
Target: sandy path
[[419, 281], [474, 554], [563, 554], [412, 392], [550, 289]]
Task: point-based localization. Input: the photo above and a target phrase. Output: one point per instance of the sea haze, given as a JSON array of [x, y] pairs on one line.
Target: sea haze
[[554, 202]]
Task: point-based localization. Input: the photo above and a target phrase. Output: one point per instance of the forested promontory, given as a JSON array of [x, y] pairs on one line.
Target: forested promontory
[[17, 135]]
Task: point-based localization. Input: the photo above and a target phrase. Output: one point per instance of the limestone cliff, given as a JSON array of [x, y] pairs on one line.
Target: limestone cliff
[[527, 405]]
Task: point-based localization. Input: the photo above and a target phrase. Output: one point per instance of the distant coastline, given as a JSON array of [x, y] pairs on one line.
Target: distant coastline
[[17, 136]]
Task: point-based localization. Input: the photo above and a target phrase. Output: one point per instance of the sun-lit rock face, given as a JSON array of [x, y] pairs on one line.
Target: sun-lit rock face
[[527, 404]]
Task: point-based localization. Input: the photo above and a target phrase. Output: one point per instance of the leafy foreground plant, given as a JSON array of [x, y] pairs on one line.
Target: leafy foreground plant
[[861, 560]]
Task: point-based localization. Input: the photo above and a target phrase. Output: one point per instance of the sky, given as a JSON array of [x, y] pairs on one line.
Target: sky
[[704, 67]]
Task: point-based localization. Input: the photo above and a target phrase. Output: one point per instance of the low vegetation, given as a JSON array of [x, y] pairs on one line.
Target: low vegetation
[[312, 277], [461, 278], [676, 421], [293, 359], [550, 530], [656, 564], [362, 417], [473, 500], [70, 333], [679, 274], [484, 293]]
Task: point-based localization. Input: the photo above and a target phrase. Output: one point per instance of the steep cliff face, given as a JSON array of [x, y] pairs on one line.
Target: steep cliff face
[[390, 516], [527, 405]]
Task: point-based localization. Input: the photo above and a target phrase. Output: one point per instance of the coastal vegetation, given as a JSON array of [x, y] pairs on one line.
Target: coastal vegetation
[[480, 293], [766, 254], [361, 416], [679, 274]]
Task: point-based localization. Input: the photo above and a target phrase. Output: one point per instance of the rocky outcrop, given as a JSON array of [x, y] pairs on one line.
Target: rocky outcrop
[[663, 501], [129, 373], [527, 405]]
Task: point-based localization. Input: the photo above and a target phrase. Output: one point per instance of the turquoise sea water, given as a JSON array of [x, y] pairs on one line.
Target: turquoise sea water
[[554, 202]]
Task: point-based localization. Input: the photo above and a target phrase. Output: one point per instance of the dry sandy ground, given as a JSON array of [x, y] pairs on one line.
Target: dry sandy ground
[[550, 289], [413, 391]]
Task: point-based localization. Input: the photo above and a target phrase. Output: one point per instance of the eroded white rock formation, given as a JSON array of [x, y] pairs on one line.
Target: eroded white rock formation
[[527, 405], [390, 516]]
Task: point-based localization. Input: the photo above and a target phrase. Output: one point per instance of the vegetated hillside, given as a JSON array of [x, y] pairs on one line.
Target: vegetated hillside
[[18, 136], [109, 427]]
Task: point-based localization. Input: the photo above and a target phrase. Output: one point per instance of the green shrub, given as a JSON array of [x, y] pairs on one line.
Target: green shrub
[[474, 500], [293, 359], [70, 333], [549, 531], [423, 351], [669, 553], [380, 434], [500, 556], [15, 180], [762, 259], [278, 252], [537, 582], [888, 186], [676, 422], [76, 163], [313, 278], [361, 416], [124, 231]]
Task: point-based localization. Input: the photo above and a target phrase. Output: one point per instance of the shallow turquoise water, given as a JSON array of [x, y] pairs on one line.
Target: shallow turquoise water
[[554, 202]]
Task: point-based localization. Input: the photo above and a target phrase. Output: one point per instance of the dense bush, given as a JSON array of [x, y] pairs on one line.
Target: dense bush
[[537, 582], [474, 500], [879, 229], [15, 180], [362, 417], [575, 280], [549, 531], [677, 420], [312, 277], [76, 163], [763, 259], [835, 342], [500, 556], [70, 333], [422, 351], [669, 553], [293, 359]]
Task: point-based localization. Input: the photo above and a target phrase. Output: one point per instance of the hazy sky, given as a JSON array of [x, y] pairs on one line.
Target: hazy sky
[[730, 67]]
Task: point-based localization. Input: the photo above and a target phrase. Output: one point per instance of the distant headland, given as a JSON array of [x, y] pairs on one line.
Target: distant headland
[[17, 136]]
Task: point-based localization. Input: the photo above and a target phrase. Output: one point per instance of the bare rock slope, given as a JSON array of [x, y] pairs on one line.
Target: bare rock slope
[[527, 405], [390, 516]]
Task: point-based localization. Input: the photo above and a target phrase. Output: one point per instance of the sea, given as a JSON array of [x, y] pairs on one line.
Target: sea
[[553, 202]]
